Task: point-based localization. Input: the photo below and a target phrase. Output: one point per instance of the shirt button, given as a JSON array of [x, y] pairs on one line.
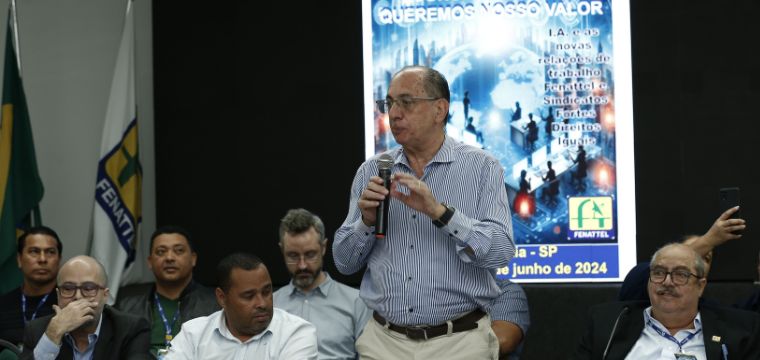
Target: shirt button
[[411, 310], [411, 246], [409, 278], [366, 234], [414, 216], [456, 231]]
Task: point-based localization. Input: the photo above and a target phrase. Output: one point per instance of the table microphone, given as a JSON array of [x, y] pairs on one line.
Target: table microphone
[[614, 328]]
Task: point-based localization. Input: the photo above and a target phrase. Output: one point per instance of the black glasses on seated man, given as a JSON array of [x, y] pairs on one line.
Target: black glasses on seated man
[[657, 275], [88, 289]]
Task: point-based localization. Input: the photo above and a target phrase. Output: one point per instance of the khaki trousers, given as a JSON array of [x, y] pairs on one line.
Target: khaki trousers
[[380, 343]]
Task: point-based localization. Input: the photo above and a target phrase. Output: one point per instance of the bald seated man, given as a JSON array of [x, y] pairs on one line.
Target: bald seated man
[[83, 326]]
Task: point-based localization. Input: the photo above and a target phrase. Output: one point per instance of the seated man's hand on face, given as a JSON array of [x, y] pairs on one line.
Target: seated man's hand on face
[[71, 317]]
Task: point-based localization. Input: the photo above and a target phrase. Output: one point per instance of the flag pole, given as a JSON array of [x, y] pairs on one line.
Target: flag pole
[[15, 36]]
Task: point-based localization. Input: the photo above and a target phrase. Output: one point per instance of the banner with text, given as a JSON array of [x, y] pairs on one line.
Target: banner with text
[[544, 86]]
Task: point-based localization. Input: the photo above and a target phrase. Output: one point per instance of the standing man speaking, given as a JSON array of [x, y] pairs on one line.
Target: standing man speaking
[[448, 230]]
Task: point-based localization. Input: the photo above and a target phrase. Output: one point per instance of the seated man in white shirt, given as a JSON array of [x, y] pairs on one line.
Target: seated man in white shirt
[[334, 308], [247, 327], [676, 325]]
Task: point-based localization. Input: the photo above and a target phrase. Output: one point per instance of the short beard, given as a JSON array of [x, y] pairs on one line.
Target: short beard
[[304, 282]]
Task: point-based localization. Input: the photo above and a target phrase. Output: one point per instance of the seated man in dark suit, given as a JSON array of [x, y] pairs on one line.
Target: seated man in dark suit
[[83, 327], [676, 323], [175, 297]]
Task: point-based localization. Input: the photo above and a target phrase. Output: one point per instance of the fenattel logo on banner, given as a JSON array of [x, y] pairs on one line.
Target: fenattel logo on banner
[[590, 218], [119, 178]]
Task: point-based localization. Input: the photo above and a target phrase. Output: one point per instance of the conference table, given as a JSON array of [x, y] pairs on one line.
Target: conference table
[[519, 131]]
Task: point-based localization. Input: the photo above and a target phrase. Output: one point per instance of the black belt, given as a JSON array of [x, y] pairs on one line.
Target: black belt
[[464, 323]]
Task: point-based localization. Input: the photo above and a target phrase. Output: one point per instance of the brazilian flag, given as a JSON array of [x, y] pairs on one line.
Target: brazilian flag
[[20, 184]]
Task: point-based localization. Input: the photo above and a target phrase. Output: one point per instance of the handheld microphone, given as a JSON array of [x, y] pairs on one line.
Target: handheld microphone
[[384, 165], [614, 328]]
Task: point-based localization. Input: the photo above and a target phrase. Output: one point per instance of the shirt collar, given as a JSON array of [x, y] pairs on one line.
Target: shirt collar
[[190, 287], [224, 331], [322, 289], [445, 153], [648, 317], [91, 338]]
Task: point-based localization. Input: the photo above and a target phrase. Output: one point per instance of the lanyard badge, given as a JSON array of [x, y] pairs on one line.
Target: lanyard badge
[[167, 326], [682, 356], [34, 314]]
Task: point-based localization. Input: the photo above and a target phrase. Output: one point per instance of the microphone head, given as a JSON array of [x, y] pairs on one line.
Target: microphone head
[[385, 162]]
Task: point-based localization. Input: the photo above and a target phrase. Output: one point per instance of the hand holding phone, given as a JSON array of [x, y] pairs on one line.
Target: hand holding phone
[[729, 199]]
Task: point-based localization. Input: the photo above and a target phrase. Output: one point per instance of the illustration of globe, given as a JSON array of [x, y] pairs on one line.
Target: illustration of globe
[[495, 80]]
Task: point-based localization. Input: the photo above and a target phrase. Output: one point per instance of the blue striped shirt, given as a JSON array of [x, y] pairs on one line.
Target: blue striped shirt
[[511, 305], [420, 274]]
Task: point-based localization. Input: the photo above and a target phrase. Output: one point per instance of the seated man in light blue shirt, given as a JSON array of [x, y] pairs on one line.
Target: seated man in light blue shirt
[[83, 327], [248, 326], [334, 308]]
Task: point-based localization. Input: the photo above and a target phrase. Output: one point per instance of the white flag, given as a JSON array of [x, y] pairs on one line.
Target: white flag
[[118, 189]]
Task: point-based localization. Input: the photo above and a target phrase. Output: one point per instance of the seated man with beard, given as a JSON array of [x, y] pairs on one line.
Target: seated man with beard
[[335, 309]]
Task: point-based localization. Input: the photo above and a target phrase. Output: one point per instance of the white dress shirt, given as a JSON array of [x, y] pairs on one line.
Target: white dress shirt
[[287, 337]]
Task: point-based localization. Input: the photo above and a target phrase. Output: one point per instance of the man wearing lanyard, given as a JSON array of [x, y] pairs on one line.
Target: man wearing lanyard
[[675, 326], [39, 253], [174, 298]]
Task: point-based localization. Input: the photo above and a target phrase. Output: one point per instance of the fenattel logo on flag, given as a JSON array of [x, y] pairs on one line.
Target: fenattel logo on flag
[[590, 217], [117, 189]]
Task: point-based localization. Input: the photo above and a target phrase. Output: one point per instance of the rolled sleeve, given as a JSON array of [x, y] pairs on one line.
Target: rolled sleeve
[[490, 238], [354, 239], [511, 305]]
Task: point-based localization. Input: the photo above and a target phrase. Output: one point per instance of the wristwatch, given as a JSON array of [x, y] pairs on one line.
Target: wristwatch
[[446, 217]]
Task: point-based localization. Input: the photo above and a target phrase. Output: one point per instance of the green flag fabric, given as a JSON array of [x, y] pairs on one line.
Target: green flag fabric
[[20, 184]]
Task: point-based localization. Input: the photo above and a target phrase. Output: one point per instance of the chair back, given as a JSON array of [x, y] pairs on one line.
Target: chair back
[[8, 350]]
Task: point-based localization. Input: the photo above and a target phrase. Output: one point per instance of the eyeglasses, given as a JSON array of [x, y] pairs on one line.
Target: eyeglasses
[[309, 258], [405, 103], [88, 289], [678, 277]]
